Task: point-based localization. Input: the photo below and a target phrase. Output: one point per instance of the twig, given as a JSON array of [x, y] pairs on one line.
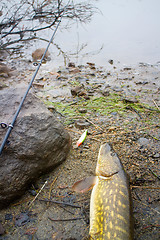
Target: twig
[[62, 203], [145, 187], [60, 206], [138, 196], [71, 130], [69, 105], [155, 104], [131, 108], [63, 220], [151, 109], [95, 139], [38, 193], [50, 189], [153, 225], [93, 123], [148, 206], [152, 136], [154, 174]]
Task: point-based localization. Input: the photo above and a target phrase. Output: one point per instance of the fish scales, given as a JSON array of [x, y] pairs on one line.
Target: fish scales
[[110, 208]]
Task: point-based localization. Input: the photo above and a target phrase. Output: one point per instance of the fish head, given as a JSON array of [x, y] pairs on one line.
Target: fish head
[[108, 163]]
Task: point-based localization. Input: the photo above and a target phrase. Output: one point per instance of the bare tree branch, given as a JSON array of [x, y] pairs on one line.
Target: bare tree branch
[[21, 20]]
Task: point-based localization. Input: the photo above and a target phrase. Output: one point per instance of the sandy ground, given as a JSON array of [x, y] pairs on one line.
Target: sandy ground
[[131, 124]]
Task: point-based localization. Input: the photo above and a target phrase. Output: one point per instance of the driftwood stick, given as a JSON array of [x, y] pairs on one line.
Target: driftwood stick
[[38, 193]]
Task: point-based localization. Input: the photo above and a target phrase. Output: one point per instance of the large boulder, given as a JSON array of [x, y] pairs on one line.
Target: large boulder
[[37, 143]]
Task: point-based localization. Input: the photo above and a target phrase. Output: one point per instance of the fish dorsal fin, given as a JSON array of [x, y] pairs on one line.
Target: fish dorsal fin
[[84, 185]]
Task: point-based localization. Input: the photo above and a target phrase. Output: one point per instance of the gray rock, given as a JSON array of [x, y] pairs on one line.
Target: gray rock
[[38, 143], [82, 110], [81, 124], [143, 141], [110, 61], [157, 155], [105, 93]]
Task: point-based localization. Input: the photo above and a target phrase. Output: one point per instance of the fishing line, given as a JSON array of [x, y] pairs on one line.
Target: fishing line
[[10, 126]]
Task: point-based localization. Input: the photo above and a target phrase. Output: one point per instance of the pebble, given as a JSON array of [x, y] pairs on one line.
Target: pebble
[[113, 113], [81, 124], [105, 93], [74, 70], [110, 61], [143, 141], [117, 89], [127, 68], [82, 110], [157, 155], [71, 64], [38, 53], [21, 219], [76, 90]]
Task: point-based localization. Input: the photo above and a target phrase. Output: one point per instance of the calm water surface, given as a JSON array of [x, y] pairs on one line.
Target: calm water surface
[[128, 31]]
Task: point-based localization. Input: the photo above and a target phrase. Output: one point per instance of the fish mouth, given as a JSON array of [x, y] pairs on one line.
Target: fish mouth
[[104, 175]]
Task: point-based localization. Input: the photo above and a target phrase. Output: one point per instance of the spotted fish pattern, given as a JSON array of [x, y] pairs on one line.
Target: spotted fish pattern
[[110, 207]]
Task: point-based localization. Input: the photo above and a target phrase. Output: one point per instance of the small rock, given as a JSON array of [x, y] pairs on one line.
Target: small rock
[[5, 71], [81, 124], [143, 141], [38, 53], [105, 93], [76, 90], [92, 74], [129, 100], [127, 68], [74, 70], [141, 64], [107, 85], [82, 93], [157, 155], [112, 128], [116, 89], [110, 61], [82, 110], [21, 219], [86, 97], [91, 65], [38, 85], [113, 113], [51, 109], [141, 83], [71, 64]]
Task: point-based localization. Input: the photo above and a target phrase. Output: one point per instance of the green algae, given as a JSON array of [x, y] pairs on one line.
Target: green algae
[[100, 105]]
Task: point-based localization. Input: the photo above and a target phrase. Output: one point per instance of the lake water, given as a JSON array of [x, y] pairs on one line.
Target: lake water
[[128, 31]]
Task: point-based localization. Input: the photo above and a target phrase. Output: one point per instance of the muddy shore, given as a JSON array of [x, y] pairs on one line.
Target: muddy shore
[[117, 104]]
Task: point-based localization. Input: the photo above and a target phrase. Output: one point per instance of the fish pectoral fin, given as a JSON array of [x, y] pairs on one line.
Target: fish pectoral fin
[[84, 185]]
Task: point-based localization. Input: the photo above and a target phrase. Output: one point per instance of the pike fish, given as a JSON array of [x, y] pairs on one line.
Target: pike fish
[[110, 204]]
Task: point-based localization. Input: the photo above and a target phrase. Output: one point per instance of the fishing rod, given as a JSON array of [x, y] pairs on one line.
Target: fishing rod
[[10, 126]]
